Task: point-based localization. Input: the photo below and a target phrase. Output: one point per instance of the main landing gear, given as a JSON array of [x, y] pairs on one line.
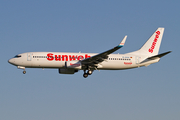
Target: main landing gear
[[89, 72]]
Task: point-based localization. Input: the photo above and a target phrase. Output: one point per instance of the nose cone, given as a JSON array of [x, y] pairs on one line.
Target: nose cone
[[11, 61]]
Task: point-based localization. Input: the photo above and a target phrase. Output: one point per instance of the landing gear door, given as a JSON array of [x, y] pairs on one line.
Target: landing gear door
[[29, 56]]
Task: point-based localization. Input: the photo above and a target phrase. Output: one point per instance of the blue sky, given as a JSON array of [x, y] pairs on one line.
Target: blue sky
[[146, 93]]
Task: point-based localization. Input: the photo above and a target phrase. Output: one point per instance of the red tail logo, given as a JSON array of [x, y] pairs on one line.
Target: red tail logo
[[154, 42]]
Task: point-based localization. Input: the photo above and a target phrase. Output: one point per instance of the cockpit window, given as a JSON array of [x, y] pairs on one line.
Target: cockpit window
[[17, 56]]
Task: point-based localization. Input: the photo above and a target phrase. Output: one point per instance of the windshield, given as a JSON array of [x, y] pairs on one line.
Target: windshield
[[17, 56]]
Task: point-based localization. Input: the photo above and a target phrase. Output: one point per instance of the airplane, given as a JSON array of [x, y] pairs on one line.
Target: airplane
[[70, 63]]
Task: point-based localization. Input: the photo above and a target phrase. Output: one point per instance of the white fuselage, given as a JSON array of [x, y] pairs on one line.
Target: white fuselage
[[59, 59]]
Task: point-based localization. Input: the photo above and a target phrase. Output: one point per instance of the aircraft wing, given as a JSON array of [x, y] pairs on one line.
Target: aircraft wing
[[102, 56]]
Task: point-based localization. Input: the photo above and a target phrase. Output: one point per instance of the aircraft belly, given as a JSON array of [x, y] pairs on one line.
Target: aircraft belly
[[48, 64]]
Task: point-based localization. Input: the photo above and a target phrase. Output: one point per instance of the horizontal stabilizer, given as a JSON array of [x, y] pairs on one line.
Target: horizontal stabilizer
[[159, 56]]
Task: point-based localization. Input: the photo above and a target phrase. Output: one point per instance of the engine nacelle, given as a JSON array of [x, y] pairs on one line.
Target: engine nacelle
[[73, 64], [67, 71]]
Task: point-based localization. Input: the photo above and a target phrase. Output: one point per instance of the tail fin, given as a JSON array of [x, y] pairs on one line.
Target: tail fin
[[151, 47]]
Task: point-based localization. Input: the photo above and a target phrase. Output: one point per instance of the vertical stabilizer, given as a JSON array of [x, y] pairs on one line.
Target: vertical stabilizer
[[151, 47]]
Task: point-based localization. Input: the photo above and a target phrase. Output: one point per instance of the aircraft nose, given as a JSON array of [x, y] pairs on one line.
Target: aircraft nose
[[11, 61]]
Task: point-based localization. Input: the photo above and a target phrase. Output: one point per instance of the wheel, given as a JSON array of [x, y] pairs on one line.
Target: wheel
[[85, 75], [24, 72], [89, 72]]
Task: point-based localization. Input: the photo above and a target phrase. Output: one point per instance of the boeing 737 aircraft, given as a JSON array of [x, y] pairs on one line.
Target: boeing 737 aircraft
[[70, 63]]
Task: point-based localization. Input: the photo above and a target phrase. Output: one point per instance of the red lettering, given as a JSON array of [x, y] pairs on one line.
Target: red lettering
[[58, 57], [64, 57], [157, 36], [86, 56], [80, 57], [152, 47], [127, 63], [50, 57], [158, 32], [154, 42], [73, 57], [150, 50], [74, 65]]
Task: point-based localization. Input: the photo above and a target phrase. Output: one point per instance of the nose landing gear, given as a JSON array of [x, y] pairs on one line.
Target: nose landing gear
[[24, 72], [20, 67]]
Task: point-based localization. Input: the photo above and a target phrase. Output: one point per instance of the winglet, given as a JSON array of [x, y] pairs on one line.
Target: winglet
[[122, 42]]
